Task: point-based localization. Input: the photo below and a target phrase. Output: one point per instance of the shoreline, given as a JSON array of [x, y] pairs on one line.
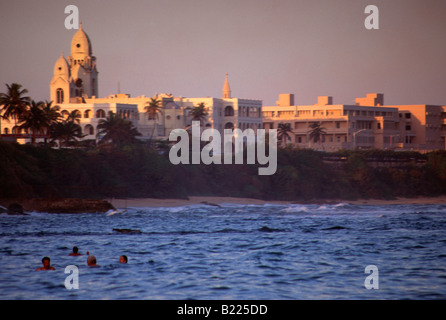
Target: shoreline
[[120, 203], [77, 205]]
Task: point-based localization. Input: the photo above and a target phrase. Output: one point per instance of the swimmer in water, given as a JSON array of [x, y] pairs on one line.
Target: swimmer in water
[[75, 252], [123, 259], [46, 264], [91, 261]]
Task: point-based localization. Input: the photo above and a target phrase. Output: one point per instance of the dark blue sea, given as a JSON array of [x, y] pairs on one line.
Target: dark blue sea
[[230, 252]]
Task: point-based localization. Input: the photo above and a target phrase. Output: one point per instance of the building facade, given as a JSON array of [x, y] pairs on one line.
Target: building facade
[[367, 124], [74, 88]]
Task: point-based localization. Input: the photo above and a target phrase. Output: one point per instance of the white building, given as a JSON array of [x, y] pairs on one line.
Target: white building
[[74, 87]]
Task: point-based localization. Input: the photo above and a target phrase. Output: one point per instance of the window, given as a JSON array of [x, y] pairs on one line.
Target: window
[[407, 115], [87, 114], [229, 111], [378, 125], [408, 127], [89, 129], [229, 125], [338, 124], [59, 95], [100, 113], [299, 139]]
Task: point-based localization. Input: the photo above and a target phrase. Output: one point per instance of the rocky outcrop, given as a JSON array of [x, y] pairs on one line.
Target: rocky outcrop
[[71, 205]]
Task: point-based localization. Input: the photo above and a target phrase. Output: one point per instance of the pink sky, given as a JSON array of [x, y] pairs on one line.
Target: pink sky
[[185, 47]]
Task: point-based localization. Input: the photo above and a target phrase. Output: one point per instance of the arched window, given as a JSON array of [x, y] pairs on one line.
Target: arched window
[[87, 113], [100, 113], [229, 111], [6, 131], [59, 95], [229, 125], [89, 129]]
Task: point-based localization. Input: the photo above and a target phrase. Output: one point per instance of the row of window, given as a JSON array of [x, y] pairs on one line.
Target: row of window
[[316, 113], [242, 111], [100, 114], [330, 138], [75, 92]]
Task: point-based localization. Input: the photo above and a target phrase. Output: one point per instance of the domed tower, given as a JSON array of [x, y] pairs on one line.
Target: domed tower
[[61, 83], [83, 66], [78, 72]]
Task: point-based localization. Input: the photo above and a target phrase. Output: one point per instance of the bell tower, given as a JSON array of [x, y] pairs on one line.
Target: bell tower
[[75, 77]]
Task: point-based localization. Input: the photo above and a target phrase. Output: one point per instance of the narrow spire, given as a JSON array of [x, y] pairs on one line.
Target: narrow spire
[[226, 89]]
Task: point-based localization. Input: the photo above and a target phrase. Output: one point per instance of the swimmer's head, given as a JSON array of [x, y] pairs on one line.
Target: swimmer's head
[[91, 260]]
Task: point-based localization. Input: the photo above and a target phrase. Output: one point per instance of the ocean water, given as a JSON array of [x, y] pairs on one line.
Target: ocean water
[[230, 252]]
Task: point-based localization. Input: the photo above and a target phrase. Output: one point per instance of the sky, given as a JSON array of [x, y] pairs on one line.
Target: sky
[[309, 48]]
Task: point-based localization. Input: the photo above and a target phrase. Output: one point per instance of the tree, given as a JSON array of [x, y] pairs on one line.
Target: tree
[[66, 132], [153, 109], [316, 132], [283, 132], [52, 114], [13, 103], [74, 116], [34, 119], [199, 113], [117, 130]]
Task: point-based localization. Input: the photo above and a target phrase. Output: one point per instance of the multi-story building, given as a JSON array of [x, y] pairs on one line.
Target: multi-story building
[[345, 126], [74, 87], [366, 124]]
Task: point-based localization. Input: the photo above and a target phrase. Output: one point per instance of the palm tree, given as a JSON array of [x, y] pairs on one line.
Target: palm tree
[[199, 113], [153, 109], [52, 114], [74, 116], [13, 103], [117, 130], [316, 132], [66, 132], [33, 118], [283, 132]]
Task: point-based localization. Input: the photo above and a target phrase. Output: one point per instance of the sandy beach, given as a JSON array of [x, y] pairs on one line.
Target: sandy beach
[[150, 202]]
